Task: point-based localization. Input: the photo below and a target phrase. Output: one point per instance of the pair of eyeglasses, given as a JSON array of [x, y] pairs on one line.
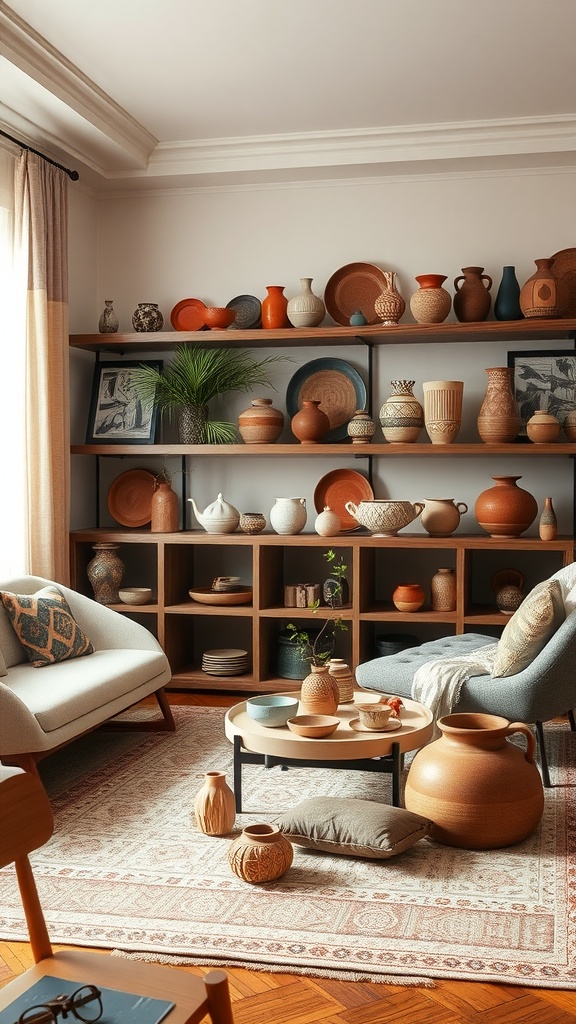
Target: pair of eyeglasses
[[85, 1004]]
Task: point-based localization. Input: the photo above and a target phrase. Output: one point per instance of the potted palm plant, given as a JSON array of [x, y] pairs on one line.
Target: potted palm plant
[[195, 376]]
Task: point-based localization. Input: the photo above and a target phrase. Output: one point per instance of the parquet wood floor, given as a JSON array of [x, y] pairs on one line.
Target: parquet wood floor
[[267, 998]]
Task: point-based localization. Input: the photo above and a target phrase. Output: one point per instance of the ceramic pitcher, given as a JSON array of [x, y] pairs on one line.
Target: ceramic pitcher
[[441, 516], [288, 515]]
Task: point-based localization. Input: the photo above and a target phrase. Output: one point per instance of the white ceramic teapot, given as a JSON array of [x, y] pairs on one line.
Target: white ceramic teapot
[[219, 517]]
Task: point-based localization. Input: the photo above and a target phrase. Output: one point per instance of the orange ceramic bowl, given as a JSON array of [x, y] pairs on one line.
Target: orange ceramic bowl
[[218, 317]]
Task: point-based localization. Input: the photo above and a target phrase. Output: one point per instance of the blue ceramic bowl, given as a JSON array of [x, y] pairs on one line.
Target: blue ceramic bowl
[[272, 710]]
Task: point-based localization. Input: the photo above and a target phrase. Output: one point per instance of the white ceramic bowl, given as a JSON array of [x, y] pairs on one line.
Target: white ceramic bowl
[[272, 710], [135, 595]]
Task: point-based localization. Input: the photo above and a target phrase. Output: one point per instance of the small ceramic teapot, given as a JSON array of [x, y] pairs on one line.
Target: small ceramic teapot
[[219, 517]]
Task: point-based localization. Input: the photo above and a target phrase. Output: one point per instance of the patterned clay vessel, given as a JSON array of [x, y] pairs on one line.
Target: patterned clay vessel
[[319, 694], [147, 317], [431, 303], [215, 806], [105, 572], [274, 308], [306, 309], [252, 522], [443, 591], [344, 677], [389, 305], [108, 322], [441, 516], [443, 409], [498, 421], [361, 428], [543, 295], [547, 524], [505, 510], [310, 424], [260, 854], [472, 298], [401, 416], [261, 423]]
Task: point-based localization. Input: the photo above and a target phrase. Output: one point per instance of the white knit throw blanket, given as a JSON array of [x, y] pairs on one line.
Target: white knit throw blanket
[[437, 684]]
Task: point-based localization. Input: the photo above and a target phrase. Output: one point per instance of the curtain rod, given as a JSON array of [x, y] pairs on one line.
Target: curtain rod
[[73, 175]]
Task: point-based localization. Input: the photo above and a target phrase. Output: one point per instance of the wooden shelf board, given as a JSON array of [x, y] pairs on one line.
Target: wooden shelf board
[[197, 608], [339, 450]]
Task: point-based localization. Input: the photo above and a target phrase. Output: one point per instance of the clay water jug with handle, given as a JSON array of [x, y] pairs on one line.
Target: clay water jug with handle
[[441, 516], [472, 298]]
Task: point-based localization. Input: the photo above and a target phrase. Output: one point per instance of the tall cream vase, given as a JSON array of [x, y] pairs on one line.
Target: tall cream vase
[[443, 409]]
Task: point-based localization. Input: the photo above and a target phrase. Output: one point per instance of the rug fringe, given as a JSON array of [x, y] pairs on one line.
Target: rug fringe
[[312, 972]]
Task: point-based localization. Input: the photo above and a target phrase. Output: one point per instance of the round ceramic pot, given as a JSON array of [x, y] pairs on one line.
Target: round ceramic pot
[[505, 510], [441, 516], [361, 428], [431, 303], [310, 424], [408, 597], [252, 522], [261, 423], [288, 516], [260, 854], [543, 427], [147, 317], [401, 416]]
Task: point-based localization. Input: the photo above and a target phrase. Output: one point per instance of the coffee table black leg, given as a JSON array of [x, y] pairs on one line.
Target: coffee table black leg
[[238, 773], [396, 770]]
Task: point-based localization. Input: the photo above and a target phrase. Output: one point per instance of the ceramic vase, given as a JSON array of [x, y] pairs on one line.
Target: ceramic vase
[[327, 523], [431, 303], [569, 425], [408, 597], [505, 510], [306, 309], [443, 591], [215, 806], [163, 508], [288, 516], [361, 428], [389, 305], [274, 308], [547, 524], [472, 298], [441, 516], [357, 319], [336, 591], [108, 322], [252, 522], [345, 680], [310, 424], [456, 782], [147, 317], [543, 295], [319, 694], [507, 301], [498, 421], [260, 854], [443, 409], [401, 416], [261, 423], [105, 572], [543, 427], [192, 423]]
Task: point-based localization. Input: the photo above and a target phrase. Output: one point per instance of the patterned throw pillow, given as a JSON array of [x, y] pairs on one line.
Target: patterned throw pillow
[[45, 626], [530, 628]]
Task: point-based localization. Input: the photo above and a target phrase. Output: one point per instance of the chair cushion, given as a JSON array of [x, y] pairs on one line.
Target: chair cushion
[[530, 628], [354, 828], [45, 626]]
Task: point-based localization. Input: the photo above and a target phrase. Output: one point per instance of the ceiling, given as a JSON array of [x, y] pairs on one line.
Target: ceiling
[[138, 94]]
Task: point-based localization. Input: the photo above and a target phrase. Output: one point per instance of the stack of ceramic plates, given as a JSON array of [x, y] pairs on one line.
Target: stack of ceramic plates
[[225, 661]]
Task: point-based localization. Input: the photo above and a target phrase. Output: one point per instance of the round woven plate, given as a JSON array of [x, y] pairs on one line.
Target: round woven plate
[[338, 487], [355, 286], [336, 384], [564, 268], [248, 312], [130, 497], [188, 315]]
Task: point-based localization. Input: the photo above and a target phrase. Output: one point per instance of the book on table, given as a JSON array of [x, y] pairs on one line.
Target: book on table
[[117, 1007]]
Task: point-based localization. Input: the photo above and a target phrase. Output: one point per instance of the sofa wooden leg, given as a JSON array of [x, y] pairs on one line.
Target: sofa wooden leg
[[28, 762], [168, 717], [543, 757], [164, 724]]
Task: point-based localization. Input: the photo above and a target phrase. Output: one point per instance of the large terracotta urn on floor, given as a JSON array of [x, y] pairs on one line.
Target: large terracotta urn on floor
[[505, 510], [481, 791]]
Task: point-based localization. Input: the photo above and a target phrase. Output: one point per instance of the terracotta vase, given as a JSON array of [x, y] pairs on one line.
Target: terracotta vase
[[147, 317], [401, 416], [310, 424], [260, 854], [441, 516], [306, 309], [458, 782], [361, 428], [215, 806], [431, 303], [319, 694], [507, 302], [443, 591], [443, 409], [164, 508], [543, 295], [274, 308], [569, 425], [547, 524], [288, 515], [472, 298], [261, 423], [543, 427], [505, 510], [408, 597], [105, 572], [344, 677], [498, 421], [389, 305]]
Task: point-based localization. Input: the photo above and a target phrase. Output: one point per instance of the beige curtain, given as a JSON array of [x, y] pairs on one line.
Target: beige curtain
[[41, 222]]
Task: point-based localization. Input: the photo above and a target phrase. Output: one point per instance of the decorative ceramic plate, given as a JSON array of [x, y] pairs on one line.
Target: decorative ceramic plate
[[338, 487], [564, 267], [187, 315], [336, 384], [130, 497], [248, 312], [205, 595], [393, 724], [355, 286]]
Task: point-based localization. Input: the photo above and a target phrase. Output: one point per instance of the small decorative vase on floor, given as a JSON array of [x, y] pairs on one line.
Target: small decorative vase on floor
[[472, 298], [543, 295], [191, 424], [505, 510], [443, 591], [456, 782], [431, 303], [498, 421], [319, 694], [164, 508], [507, 302], [543, 427], [147, 317], [215, 806], [261, 423], [310, 424], [401, 416], [443, 409], [108, 322], [547, 525], [306, 309], [288, 516], [105, 572], [260, 854], [345, 680], [441, 516], [274, 308], [408, 597], [389, 305], [361, 428]]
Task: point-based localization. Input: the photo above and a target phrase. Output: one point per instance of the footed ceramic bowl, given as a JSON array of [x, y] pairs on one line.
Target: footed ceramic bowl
[[135, 595], [218, 316], [272, 710]]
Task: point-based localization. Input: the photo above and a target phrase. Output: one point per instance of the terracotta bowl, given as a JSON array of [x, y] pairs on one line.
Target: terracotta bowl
[[314, 726], [135, 595], [218, 317]]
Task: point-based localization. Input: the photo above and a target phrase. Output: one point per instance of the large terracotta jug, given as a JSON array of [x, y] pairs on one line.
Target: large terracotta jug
[[481, 791], [472, 298]]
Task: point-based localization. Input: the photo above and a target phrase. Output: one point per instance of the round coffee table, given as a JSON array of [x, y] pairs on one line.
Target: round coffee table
[[361, 751]]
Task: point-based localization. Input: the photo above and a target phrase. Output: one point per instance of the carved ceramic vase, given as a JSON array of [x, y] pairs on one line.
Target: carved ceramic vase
[[472, 298], [274, 308], [306, 309], [319, 694], [507, 302], [408, 597], [547, 524], [443, 591], [361, 428], [147, 317], [344, 677], [401, 416], [288, 515], [456, 782], [260, 854], [544, 295], [215, 806], [505, 510], [310, 424], [543, 427], [108, 322], [431, 303], [163, 508], [105, 572], [389, 305], [441, 516], [498, 421], [443, 409], [261, 423]]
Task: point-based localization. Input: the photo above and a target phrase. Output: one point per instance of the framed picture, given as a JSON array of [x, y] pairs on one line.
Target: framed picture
[[117, 414], [544, 380]]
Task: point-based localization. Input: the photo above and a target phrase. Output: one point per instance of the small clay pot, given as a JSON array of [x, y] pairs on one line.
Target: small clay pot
[[408, 597], [252, 522], [542, 427]]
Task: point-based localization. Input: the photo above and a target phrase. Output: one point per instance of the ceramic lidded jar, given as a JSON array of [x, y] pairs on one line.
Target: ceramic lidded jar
[[472, 298], [544, 295], [260, 854], [498, 421], [288, 516], [306, 309], [147, 317], [401, 416], [543, 427], [389, 305], [431, 303], [505, 510], [361, 428], [274, 308], [261, 423], [215, 805], [310, 424], [441, 516]]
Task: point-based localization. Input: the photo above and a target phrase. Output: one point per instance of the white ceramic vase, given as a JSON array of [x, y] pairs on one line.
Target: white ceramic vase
[[306, 309], [288, 516]]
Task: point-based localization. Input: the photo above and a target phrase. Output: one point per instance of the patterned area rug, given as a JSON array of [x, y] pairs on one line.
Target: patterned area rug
[[127, 868]]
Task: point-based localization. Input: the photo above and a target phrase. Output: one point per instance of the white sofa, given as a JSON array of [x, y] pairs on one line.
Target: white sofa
[[42, 709]]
